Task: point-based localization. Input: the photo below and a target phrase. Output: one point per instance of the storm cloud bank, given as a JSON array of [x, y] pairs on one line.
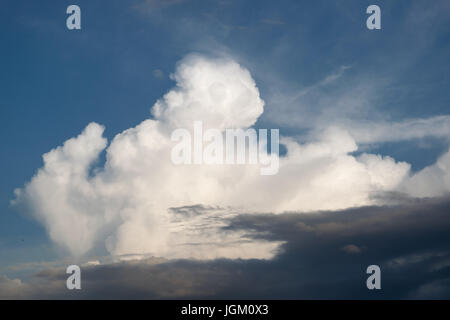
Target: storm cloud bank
[[324, 255]]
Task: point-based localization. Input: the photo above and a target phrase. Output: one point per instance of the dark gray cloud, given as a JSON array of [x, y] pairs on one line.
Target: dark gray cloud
[[324, 255]]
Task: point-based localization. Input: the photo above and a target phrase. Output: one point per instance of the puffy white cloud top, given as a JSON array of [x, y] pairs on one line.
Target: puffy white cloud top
[[219, 92]]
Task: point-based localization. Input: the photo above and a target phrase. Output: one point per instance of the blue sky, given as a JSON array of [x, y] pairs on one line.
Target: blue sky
[[54, 81]]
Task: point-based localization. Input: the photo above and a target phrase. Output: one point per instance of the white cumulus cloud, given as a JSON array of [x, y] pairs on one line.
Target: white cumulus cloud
[[127, 206]]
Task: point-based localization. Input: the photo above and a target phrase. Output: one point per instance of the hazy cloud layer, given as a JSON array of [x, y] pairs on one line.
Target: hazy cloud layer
[[410, 243]]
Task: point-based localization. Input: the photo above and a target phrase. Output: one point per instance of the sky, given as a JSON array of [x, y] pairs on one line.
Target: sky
[[86, 176]]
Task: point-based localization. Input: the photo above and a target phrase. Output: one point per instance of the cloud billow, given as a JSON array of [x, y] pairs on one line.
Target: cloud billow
[[125, 206]]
